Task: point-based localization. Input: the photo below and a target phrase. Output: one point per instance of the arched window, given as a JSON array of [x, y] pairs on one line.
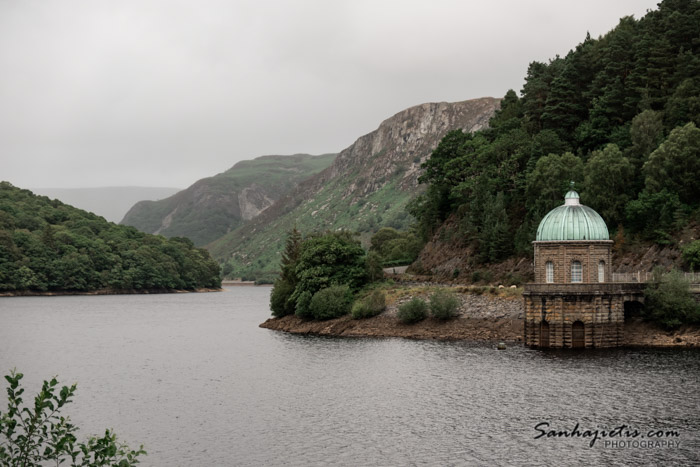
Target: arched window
[[549, 272], [576, 271], [601, 271]]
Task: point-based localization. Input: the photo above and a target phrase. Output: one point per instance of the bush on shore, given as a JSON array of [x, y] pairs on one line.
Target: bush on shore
[[669, 302], [331, 302], [370, 306], [413, 311], [280, 304], [443, 305], [302, 307]]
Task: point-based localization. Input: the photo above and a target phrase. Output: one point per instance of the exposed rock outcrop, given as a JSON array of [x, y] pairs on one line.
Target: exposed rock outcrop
[[367, 186]]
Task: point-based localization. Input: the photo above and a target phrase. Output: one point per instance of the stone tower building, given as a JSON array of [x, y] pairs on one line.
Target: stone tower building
[[573, 302]]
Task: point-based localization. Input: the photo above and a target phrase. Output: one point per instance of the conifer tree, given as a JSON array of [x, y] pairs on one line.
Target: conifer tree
[[675, 165], [608, 184]]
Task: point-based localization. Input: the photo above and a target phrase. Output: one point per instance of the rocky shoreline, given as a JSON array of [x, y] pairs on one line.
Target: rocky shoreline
[[486, 317], [479, 329]]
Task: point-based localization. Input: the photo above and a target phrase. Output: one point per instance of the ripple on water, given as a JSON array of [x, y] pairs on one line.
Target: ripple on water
[[194, 378]]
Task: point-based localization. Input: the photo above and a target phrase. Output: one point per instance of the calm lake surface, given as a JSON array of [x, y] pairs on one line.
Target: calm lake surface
[[193, 378]]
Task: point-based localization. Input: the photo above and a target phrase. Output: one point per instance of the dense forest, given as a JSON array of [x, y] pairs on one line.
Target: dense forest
[[618, 115], [46, 245]]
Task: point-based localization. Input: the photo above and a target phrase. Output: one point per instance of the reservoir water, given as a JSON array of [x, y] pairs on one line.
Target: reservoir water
[[193, 378]]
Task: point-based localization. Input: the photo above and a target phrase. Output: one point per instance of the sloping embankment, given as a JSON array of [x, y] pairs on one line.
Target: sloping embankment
[[481, 329], [637, 334], [483, 317]]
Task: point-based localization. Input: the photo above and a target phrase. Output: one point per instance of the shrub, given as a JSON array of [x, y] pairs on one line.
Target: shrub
[[332, 258], [369, 306], [443, 305], [413, 311], [482, 275], [514, 279], [691, 255], [669, 302], [264, 281], [301, 308], [280, 302], [40, 435], [331, 302], [374, 267]]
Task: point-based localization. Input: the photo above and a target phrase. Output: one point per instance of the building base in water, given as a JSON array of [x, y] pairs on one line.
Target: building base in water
[[578, 315], [572, 302]]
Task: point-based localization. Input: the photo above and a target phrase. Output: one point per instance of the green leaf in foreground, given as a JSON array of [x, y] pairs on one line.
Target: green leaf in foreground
[[37, 435]]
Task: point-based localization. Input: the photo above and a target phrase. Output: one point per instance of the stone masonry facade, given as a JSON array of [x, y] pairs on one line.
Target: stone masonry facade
[[551, 317], [587, 312], [562, 254]]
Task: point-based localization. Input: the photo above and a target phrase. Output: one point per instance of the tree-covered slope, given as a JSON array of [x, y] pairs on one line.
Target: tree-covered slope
[[618, 115], [216, 205], [46, 245], [367, 187]]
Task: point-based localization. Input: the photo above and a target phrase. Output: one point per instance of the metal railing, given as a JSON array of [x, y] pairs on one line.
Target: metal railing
[[641, 277], [693, 277], [638, 276], [584, 288]]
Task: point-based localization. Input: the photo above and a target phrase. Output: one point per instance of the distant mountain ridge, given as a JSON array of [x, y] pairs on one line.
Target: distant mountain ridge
[[109, 202], [213, 206], [366, 187]]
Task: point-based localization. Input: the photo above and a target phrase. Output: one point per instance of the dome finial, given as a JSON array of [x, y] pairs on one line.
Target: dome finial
[[571, 198]]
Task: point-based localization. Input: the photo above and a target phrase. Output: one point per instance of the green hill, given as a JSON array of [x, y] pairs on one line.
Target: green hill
[[618, 115], [46, 245], [216, 205], [367, 187]]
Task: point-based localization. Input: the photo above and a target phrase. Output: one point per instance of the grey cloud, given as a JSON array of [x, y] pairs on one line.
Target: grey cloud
[[161, 93]]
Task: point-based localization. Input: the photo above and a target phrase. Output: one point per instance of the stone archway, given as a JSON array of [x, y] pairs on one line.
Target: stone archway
[[544, 333], [633, 309], [578, 335]]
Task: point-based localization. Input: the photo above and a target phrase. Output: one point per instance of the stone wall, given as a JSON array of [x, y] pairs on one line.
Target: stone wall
[[562, 254], [602, 317]]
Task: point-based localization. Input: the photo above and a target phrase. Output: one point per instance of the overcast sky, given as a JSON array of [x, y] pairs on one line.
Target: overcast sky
[[163, 93]]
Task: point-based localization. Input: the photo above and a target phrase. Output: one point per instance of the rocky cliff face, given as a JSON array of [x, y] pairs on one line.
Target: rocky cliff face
[[366, 187], [213, 206], [404, 141]]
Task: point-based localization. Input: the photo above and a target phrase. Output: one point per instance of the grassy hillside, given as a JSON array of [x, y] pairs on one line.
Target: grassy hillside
[[367, 187], [216, 205], [46, 245], [260, 250]]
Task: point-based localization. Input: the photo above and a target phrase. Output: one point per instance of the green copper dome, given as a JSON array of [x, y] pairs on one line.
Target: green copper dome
[[572, 221]]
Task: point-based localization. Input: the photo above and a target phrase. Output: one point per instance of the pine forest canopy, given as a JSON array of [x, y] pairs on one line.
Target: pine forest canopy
[[618, 115], [46, 245]]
